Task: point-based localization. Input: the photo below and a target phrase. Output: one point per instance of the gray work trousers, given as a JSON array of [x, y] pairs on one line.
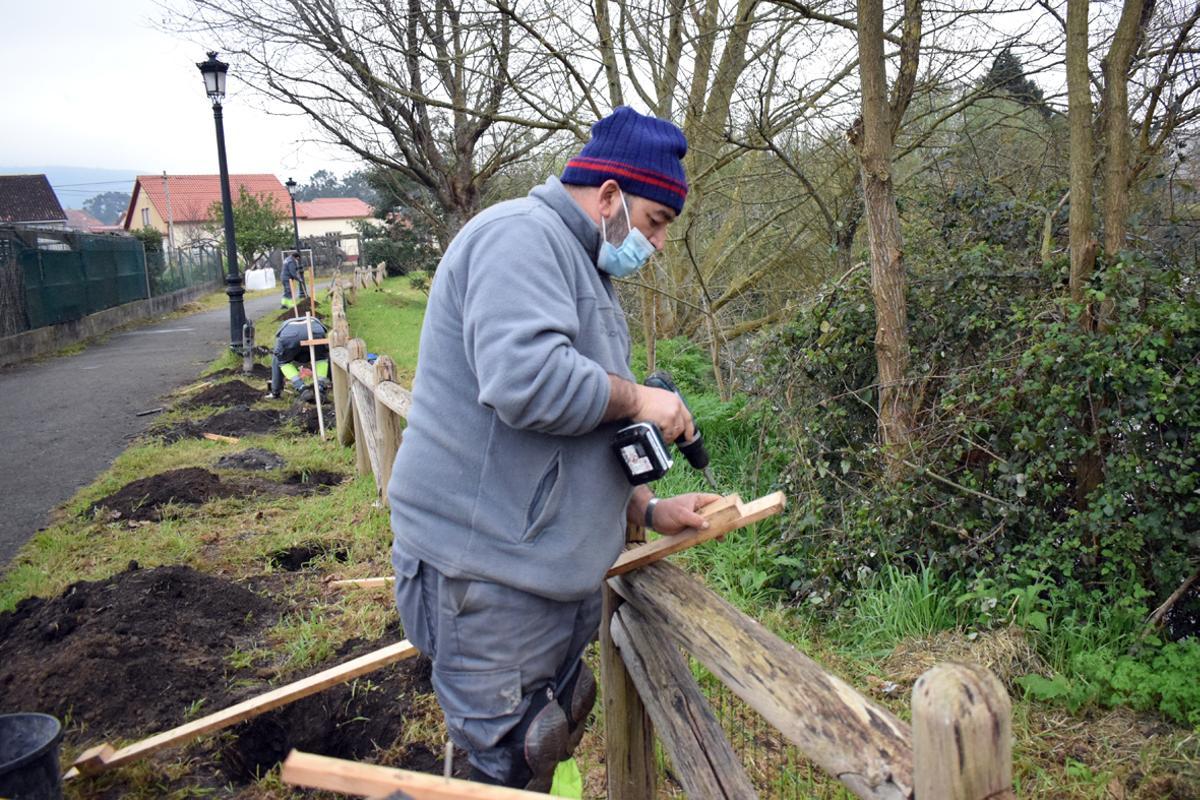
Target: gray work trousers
[[492, 647]]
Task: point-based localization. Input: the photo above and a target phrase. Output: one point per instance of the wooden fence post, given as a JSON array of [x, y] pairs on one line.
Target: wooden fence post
[[704, 762], [388, 427], [962, 735], [628, 732], [357, 349], [343, 412]]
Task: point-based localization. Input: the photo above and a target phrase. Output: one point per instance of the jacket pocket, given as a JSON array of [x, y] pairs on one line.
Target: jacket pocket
[[543, 506]]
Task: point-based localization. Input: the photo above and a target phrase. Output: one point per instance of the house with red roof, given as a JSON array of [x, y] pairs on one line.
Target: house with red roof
[[182, 203], [179, 204], [332, 215]]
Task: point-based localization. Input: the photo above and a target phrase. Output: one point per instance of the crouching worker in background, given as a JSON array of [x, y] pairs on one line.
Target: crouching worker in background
[[289, 356]]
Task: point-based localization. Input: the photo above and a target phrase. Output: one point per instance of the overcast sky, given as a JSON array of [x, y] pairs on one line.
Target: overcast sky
[[95, 84]]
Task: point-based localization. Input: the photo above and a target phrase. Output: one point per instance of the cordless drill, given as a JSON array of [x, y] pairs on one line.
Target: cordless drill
[[642, 451]]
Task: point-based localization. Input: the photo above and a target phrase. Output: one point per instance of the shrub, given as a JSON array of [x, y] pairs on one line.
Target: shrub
[[1008, 384]]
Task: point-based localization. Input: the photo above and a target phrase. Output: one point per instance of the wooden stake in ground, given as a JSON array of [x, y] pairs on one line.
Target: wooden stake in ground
[[104, 756], [312, 362]]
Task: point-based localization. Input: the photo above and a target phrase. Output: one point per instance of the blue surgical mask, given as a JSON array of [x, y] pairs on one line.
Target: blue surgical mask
[[633, 252]]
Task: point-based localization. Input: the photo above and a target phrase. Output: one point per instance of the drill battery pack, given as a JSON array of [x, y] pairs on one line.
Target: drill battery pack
[[642, 452]]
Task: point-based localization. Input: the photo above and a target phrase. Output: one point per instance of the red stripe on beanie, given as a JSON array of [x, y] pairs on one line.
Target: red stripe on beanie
[[652, 178], [651, 175]]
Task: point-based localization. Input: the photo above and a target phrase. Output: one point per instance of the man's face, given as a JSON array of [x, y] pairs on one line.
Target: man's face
[[648, 216], [651, 218]]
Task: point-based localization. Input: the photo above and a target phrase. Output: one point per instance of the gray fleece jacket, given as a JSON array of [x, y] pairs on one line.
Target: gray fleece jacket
[[505, 473]]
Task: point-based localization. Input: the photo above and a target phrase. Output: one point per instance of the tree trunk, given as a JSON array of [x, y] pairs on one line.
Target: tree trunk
[[872, 136], [1079, 116], [1116, 124]]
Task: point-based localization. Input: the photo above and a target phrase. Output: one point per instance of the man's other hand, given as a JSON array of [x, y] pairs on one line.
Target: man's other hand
[[675, 514], [667, 411]]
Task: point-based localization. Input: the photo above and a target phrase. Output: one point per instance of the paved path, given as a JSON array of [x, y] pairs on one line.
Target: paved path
[[64, 420]]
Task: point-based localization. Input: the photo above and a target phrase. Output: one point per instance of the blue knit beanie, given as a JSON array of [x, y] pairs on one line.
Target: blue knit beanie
[[642, 154]]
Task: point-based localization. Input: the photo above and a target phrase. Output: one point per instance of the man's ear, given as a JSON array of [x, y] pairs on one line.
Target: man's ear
[[608, 198]]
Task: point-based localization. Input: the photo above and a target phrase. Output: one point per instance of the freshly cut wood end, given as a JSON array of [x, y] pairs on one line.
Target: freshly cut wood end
[[92, 759]]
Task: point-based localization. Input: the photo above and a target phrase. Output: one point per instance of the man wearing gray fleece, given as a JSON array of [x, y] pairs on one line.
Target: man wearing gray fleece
[[507, 503]]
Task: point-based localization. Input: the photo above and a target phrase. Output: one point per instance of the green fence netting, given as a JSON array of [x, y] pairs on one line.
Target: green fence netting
[[50, 276]]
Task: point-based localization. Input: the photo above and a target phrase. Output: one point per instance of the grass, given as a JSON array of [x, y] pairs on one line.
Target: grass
[[389, 321]]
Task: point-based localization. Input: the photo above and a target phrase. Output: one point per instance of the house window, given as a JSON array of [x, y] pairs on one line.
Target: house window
[[146, 217]]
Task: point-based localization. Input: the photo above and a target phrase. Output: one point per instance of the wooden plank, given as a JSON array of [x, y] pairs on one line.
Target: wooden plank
[[962, 734], [703, 760], [628, 731], [362, 583], [853, 739], [216, 437], [362, 392], [246, 709], [371, 780], [389, 428], [724, 515], [364, 429], [343, 412], [314, 342]]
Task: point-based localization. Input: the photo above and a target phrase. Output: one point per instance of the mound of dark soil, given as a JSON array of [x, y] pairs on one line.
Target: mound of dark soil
[[237, 421], [305, 415], [253, 458], [231, 393], [256, 371], [145, 497], [146, 650], [303, 307], [129, 655]]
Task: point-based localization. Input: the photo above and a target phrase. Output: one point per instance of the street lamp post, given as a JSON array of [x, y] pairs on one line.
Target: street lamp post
[[291, 187], [214, 84]]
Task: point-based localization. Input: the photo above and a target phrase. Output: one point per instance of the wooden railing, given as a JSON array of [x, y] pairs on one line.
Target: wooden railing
[[369, 405], [957, 748]]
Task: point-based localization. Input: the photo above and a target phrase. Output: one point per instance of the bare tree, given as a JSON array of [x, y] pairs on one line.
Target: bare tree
[[429, 91]]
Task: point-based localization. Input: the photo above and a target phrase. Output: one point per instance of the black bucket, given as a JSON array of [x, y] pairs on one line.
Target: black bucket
[[29, 757]]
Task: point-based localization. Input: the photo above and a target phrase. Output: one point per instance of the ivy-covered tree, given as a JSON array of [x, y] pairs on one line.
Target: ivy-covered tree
[[258, 224]]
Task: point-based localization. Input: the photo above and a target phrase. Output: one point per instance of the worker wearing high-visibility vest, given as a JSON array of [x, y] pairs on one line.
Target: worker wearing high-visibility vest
[[289, 356], [292, 272]]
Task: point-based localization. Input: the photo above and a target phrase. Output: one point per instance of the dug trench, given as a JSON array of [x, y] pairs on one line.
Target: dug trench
[[149, 649], [239, 417]]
